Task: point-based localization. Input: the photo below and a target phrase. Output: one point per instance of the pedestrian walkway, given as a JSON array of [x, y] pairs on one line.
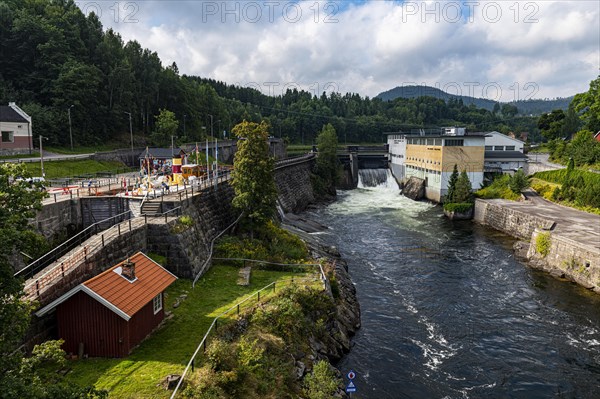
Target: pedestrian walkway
[[571, 223]]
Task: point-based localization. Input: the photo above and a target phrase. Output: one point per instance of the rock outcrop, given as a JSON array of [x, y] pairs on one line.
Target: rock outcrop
[[414, 188]]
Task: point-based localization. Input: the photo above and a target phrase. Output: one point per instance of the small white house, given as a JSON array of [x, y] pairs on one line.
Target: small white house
[[397, 154], [504, 154], [15, 130], [496, 141]]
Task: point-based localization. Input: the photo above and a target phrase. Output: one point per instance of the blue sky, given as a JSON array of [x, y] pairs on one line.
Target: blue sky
[[502, 50]]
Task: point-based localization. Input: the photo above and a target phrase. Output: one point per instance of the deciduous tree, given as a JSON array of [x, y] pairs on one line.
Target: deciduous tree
[[253, 174]]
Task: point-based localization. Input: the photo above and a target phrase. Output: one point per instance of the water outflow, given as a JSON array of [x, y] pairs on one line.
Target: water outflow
[[447, 312], [375, 178]]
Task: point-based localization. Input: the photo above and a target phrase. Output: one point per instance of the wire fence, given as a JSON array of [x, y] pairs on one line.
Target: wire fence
[[247, 303]]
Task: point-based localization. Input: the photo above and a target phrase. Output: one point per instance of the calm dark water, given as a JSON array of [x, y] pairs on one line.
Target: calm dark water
[[447, 312]]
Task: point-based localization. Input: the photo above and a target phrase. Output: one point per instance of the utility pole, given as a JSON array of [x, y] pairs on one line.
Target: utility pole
[[211, 125], [184, 116], [172, 144], [70, 129], [131, 135], [42, 155]]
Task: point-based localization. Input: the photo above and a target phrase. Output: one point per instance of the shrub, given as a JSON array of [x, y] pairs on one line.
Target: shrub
[[498, 189], [322, 382], [543, 243], [459, 207], [518, 182]]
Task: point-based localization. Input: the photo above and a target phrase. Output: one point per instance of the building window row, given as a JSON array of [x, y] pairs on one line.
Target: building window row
[[500, 148], [424, 141], [454, 142]]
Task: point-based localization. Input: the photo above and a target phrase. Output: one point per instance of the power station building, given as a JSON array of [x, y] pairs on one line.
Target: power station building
[[431, 158]]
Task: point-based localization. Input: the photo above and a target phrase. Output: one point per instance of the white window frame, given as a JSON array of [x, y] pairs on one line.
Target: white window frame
[[157, 303]]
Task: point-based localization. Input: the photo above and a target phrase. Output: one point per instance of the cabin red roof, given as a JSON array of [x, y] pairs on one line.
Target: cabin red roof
[[123, 296], [131, 296]]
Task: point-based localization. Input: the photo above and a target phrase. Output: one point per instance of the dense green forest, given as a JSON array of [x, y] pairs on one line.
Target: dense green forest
[[54, 58]]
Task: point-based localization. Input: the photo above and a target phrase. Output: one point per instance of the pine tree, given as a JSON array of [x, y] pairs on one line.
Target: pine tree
[[452, 185], [463, 190]]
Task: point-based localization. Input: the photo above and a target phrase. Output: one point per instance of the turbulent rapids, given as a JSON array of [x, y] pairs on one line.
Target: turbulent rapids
[[447, 312]]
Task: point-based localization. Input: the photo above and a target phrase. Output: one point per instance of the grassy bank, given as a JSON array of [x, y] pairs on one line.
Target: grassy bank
[[169, 349], [79, 167]]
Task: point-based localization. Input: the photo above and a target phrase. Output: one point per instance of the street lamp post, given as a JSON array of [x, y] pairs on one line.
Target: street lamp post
[[184, 116], [42, 155], [70, 129], [211, 125], [131, 135]]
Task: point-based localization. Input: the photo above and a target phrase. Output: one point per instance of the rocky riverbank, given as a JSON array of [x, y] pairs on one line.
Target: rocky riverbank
[[346, 321]]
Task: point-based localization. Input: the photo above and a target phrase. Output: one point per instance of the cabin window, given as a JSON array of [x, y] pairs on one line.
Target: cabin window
[[489, 147], [510, 148], [8, 137], [499, 148], [157, 303]]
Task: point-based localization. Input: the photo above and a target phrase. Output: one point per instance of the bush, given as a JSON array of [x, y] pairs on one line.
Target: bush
[[543, 243], [322, 382], [518, 182], [459, 207], [498, 189]]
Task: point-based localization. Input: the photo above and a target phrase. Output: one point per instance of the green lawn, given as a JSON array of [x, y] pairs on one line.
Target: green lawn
[[168, 350], [78, 167]]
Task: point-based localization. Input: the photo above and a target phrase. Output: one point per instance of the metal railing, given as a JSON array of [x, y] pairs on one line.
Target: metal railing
[[50, 257], [34, 287], [210, 252], [294, 160], [215, 323]]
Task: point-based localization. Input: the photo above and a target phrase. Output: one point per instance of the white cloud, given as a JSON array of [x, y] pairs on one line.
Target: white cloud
[[374, 46]]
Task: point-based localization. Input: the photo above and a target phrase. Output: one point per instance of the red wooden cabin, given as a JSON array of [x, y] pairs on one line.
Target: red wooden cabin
[[113, 312]]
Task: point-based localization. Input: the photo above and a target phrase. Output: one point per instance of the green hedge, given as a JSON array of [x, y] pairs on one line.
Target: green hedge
[[458, 207], [558, 176]]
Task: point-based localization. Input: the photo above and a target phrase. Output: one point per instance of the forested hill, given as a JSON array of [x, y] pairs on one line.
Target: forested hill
[[525, 107], [53, 57]]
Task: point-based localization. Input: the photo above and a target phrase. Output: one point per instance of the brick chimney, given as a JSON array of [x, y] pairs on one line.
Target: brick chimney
[[128, 270]]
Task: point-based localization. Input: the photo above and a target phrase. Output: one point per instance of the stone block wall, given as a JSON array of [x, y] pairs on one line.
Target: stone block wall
[[186, 251], [515, 223], [294, 186], [567, 258], [59, 219]]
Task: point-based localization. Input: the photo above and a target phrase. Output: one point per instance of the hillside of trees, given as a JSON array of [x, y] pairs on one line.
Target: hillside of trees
[[53, 57], [524, 107]]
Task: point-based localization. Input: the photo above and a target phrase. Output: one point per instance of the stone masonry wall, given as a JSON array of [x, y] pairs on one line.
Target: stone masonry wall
[[514, 223], [186, 251], [58, 219], [568, 259], [295, 187]]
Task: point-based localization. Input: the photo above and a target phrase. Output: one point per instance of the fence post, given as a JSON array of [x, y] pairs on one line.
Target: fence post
[[130, 225], [216, 324], [54, 197], [119, 229], [258, 293], [62, 268], [103, 240], [238, 309]]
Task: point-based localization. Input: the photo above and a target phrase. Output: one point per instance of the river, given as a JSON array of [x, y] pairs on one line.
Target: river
[[447, 311]]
